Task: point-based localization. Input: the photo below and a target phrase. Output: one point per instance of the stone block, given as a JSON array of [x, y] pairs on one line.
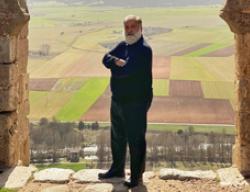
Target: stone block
[[238, 21], [242, 88], [17, 177], [24, 108], [8, 75], [8, 99], [242, 59], [22, 55], [242, 105], [231, 177], [24, 149], [242, 123], [9, 142], [23, 87], [14, 15], [23, 125], [24, 31], [53, 175], [8, 49], [237, 6], [177, 174], [244, 164], [8, 88]]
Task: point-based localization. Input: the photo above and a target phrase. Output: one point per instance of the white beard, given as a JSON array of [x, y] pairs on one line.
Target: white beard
[[131, 39]]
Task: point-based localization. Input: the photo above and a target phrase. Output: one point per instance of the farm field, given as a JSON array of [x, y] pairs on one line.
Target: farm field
[[193, 63]]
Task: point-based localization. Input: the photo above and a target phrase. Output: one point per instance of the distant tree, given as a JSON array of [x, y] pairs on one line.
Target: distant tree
[[100, 141], [180, 132], [31, 125], [43, 121], [81, 125], [190, 130], [54, 126], [95, 125]]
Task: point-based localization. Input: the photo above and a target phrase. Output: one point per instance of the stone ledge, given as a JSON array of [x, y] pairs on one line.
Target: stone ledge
[[231, 177], [17, 177], [53, 175], [176, 174], [88, 178]]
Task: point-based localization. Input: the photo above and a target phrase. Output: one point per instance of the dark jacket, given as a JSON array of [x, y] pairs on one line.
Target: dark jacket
[[134, 80]]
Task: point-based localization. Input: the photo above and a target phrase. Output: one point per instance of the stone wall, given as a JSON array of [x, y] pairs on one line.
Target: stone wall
[[14, 104]]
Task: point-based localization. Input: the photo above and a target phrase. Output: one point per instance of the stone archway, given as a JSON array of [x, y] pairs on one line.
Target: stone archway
[[14, 105]]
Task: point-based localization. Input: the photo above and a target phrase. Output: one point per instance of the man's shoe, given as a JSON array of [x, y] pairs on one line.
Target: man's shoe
[[110, 175], [131, 184]]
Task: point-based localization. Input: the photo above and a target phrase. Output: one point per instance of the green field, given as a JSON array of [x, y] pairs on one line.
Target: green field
[[7, 190], [206, 50], [56, 67], [197, 128], [227, 129], [82, 99], [218, 89], [47, 103], [161, 87], [69, 84], [66, 165], [188, 68], [222, 68]]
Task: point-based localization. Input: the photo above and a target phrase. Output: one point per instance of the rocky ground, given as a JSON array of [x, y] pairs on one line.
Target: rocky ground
[[169, 180], [155, 185]]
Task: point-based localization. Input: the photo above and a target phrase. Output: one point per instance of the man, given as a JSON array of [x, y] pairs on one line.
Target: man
[[130, 63]]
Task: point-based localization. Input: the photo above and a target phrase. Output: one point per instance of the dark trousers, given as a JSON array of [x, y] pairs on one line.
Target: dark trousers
[[129, 125]]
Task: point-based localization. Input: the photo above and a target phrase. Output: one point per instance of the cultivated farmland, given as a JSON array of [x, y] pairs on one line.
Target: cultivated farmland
[[193, 63]]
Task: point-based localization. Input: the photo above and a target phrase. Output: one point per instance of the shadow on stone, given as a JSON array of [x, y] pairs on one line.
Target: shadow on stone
[[248, 181], [17, 177], [4, 176], [140, 188]]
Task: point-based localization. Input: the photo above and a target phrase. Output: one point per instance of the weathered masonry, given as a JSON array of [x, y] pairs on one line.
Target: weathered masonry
[[237, 14], [14, 104]]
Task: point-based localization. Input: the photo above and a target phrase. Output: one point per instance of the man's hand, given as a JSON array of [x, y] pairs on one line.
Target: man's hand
[[120, 62]]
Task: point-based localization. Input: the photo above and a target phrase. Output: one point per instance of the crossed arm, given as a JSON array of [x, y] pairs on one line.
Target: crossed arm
[[142, 60], [110, 60]]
